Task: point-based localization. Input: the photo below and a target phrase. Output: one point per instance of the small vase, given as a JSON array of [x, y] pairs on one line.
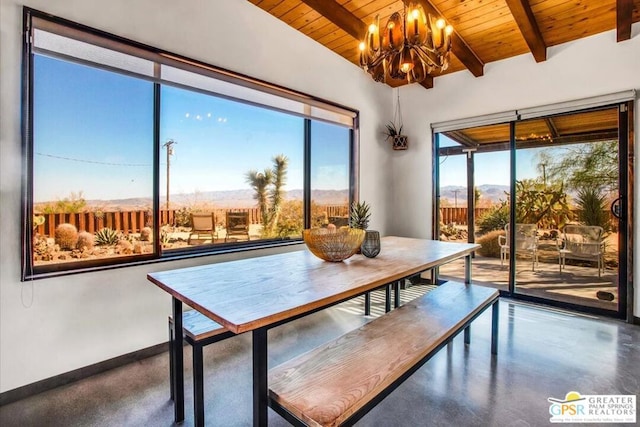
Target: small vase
[[371, 245]]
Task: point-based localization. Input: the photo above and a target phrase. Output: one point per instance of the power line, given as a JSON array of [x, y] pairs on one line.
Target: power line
[[93, 161]]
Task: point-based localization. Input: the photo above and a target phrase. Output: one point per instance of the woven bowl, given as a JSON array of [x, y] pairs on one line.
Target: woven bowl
[[333, 245]]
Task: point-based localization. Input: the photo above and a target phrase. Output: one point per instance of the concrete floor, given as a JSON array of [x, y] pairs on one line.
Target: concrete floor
[[542, 353]]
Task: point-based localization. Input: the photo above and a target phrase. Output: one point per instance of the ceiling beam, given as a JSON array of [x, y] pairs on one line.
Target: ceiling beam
[[340, 16], [351, 24], [459, 47], [552, 127], [624, 18], [523, 15]]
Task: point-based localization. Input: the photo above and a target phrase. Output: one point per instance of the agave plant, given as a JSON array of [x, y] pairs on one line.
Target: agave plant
[[106, 237], [359, 215]]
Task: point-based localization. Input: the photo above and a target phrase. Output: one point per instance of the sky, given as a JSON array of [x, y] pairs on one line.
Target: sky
[[489, 168], [93, 134]]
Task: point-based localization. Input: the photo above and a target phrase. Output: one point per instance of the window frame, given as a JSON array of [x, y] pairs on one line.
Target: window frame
[[314, 109]]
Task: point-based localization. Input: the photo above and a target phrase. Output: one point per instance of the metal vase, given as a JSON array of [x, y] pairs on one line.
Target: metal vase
[[371, 245]]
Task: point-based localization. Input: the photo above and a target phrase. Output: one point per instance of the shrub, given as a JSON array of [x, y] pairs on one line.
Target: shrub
[[85, 241], [489, 246], [106, 236], [494, 219], [124, 247], [183, 217], [66, 236], [145, 234]]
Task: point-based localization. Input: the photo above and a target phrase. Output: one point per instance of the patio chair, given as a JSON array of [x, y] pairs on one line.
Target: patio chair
[[582, 242], [237, 224], [202, 224], [526, 242]]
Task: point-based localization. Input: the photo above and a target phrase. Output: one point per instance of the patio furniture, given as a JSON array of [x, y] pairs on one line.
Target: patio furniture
[[339, 221], [582, 242], [237, 224], [202, 223], [526, 242]]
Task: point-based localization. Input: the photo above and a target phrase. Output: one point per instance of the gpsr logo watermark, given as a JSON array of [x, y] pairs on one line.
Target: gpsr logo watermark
[[577, 408]]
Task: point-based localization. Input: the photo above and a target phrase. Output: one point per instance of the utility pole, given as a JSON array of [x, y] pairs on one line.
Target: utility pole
[[169, 146], [455, 194]]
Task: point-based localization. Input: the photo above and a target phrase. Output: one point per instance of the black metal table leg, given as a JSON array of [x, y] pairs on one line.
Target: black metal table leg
[[171, 362], [387, 298], [467, 269], [260, 386], [178, 362], [367, 304], [198, 386], [494, 327]]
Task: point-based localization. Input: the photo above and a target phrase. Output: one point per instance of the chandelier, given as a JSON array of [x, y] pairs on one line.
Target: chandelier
[[408, 47]]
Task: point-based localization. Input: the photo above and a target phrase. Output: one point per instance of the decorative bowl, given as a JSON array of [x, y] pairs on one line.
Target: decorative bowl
[[332, 244]]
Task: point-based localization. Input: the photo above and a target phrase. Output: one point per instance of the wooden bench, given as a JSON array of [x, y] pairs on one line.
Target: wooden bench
[[340, 381], [199, 331]]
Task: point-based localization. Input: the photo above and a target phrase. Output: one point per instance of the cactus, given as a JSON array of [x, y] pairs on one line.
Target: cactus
[[145, 234], [85, 241], [38, 220], [106, 237], [66, 236]]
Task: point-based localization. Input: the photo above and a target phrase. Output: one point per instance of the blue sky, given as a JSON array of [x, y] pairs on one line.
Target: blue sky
[[93, 133], [489, 168]]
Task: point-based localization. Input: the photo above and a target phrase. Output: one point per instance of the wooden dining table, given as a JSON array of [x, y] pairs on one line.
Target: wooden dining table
[[256, 294]]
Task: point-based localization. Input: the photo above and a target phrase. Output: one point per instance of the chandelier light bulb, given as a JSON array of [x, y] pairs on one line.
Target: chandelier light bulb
[[440, 23], [361, 46], [448, 30], [372, 28]]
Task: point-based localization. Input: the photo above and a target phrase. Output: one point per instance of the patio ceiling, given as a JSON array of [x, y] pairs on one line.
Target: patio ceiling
[[589, 126], [484, 30]]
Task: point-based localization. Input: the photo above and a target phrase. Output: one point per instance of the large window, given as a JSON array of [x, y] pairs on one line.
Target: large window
[[134, 155]]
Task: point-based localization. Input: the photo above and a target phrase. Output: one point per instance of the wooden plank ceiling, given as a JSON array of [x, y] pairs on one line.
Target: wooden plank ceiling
[[484, 30], [589, 126]]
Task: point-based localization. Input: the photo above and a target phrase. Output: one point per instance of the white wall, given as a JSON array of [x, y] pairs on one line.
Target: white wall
[[592, 66], [48, 327]]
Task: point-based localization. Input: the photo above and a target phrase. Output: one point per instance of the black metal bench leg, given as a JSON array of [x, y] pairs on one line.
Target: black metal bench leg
[[467, 335], [396, 290], [494, 328], [198, 386], [367, 304], [387, 298], [178, 362]]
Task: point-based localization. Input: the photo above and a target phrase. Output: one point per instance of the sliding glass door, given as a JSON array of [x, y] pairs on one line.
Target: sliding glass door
[[566, 237], [547, 198]]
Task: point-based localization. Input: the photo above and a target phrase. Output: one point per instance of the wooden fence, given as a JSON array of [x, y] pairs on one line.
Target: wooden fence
[[449, 215], [134, 221]]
